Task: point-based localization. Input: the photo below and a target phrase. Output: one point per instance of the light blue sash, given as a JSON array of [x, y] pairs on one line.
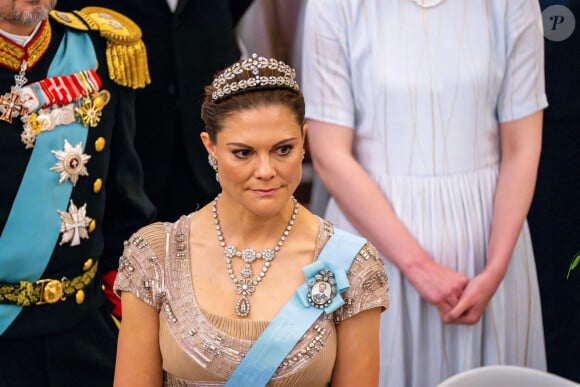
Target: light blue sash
[[33, 226], [290, 324]]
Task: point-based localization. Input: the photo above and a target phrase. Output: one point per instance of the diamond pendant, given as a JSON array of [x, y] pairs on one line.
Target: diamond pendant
[[243, 306], [247, 272]]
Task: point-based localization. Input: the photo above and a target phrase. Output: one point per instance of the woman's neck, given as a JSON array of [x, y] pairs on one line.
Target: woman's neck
[[244, 229]]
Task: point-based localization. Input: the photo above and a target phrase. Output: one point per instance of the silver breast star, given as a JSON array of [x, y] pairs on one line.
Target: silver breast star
[[71, 163]]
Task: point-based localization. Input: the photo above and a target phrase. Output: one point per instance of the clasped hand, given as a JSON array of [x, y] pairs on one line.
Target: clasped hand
[[458, 299]]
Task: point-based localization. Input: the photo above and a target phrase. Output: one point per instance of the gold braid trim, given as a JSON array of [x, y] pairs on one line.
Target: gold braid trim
[[126, 54], [12, 54]]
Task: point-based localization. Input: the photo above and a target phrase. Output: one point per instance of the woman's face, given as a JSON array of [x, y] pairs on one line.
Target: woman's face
[[259, 155]]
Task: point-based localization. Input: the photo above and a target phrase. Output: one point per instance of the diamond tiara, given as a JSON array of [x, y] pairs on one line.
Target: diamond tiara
[[280, 76]]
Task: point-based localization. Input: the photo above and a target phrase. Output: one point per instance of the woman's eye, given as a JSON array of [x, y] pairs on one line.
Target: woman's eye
[[284, 150], [242, 153]]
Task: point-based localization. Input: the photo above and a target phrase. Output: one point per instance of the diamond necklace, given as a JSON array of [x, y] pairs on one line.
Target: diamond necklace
[[245, 286]]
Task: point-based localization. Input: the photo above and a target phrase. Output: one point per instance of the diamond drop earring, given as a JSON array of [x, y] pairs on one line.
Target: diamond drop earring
[[213, 162]]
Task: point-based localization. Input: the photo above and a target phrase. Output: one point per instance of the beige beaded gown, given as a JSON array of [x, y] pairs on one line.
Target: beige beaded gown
[[199, 348]]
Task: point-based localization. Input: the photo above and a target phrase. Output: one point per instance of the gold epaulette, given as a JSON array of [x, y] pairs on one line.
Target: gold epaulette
[[126, 53]]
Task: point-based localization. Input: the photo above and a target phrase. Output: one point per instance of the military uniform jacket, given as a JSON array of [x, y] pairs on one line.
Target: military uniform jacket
[[111, 189]]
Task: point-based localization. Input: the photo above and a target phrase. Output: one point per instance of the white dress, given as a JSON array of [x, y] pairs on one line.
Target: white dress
[[424, 90]]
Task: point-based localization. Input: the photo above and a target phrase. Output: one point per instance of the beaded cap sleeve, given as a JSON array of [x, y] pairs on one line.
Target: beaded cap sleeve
[[368, 285], [139, 269], [199, 347]]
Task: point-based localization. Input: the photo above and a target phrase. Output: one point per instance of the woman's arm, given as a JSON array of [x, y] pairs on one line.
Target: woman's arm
[[521, 142], [357, 358], [369, 211], [138, 355]]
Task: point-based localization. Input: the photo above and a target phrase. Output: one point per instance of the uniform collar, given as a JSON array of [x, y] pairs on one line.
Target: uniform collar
[[12, 54]]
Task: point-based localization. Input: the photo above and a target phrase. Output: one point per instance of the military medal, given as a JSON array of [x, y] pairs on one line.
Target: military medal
[[19, 59], [44, 120], [75, 223], [61, 100], [52, 101], [10, 104], [89, 109], [71, 163]]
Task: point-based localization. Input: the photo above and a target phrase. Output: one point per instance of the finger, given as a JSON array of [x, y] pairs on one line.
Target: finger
[[456, 311], [442, 315], [458, 290], [468, 318], [444, 308], [452, 299]]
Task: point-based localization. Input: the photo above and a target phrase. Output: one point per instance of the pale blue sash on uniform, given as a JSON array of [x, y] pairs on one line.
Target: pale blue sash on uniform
[[33, 226], [292, 322]]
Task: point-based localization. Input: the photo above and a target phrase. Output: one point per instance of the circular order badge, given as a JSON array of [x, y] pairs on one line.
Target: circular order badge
[[559, 23]]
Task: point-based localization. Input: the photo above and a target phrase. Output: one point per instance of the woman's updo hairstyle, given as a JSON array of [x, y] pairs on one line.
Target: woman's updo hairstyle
[[247, 84]]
